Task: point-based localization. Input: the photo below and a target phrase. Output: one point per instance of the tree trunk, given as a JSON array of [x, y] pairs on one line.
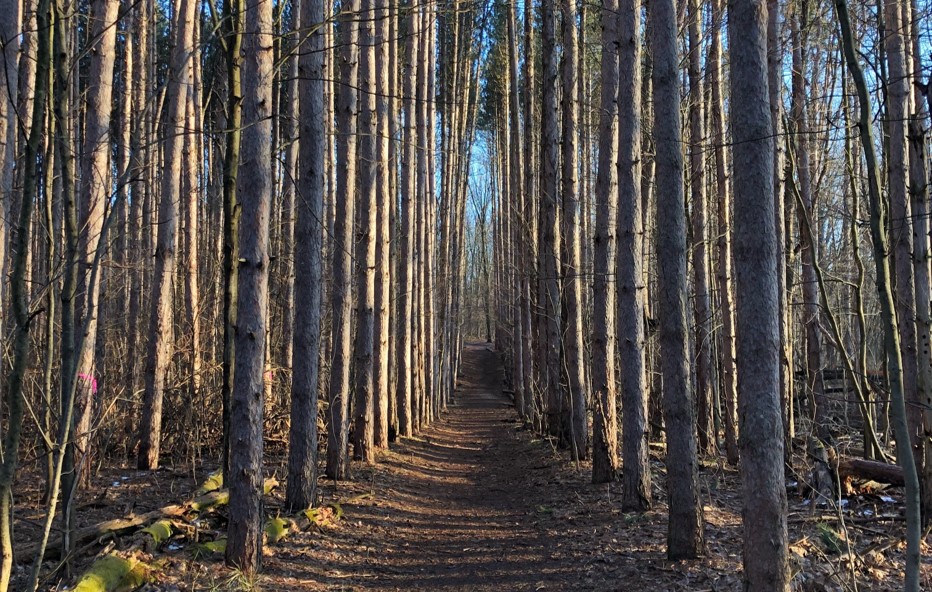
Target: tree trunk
[[385, 198], [158, 356], [574, 354], [20, 295], [604, 412], [302, 452], [636, 490], [900, 219], [800, 118], [723, 279], [766, 548], [338, 417], [685, 536], [880, 239], [254, 194], [405, 386], [557, 421], [234, 17], [363, 408], [699, 248]]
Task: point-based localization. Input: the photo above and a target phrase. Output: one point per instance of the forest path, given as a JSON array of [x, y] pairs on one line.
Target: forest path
[[452, 509]]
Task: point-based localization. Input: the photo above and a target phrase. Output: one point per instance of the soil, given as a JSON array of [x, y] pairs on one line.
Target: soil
[[479, 502]]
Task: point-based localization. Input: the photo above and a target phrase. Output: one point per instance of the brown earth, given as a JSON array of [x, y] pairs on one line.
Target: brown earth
[[478, 502]]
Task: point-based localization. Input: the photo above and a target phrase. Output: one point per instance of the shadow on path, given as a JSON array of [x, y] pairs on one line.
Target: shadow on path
[[449, 510]]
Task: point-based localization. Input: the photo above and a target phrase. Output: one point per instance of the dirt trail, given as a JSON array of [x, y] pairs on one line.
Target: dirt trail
[[450, 510]]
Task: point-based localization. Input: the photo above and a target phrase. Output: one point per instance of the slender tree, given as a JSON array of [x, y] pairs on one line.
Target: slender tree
[[366, 232], [302, 451], [636, 494], [604, 410], [723, 271], [338, 416], [550, 334], [699, 246], [881, 246], [766, 548], [574, 354], [685, 532], [254, 194], [14, 397], [158, 355]]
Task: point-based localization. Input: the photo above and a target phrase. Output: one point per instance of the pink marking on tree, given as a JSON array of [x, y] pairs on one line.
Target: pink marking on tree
[[89, 379]]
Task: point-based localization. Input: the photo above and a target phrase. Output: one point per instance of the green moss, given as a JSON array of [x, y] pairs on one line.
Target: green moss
[[160, 531], [210, 549], [113, 573], [213, 483]]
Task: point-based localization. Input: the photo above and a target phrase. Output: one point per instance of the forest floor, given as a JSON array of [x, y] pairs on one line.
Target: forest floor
[[478, 502]]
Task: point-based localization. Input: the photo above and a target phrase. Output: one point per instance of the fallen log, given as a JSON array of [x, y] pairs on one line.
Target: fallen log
[[120, 526], [860, 468], [112, 573]]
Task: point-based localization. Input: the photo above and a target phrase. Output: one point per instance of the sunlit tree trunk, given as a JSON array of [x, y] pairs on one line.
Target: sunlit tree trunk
[[574, 354], [385, 199], [900, 221], [723, 278], [405, 386], [365, 239], [699, 247], [161, 331], [515, 184], [556, 409], [531, 176], [93, 196]]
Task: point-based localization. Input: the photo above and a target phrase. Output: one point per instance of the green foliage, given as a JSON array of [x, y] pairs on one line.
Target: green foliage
[[832, 542], [276, 529]]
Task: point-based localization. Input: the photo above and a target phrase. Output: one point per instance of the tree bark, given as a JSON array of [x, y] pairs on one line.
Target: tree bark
[[254, 195], [550, 336], [636, 479], [404, 390], [766, 548], [685, 536], [363, 408], [723, 278], [699, 246], [574, 354], [19, 293], [158, 355], [605, 412], [880, 239], [346, 109], [308, 245]]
